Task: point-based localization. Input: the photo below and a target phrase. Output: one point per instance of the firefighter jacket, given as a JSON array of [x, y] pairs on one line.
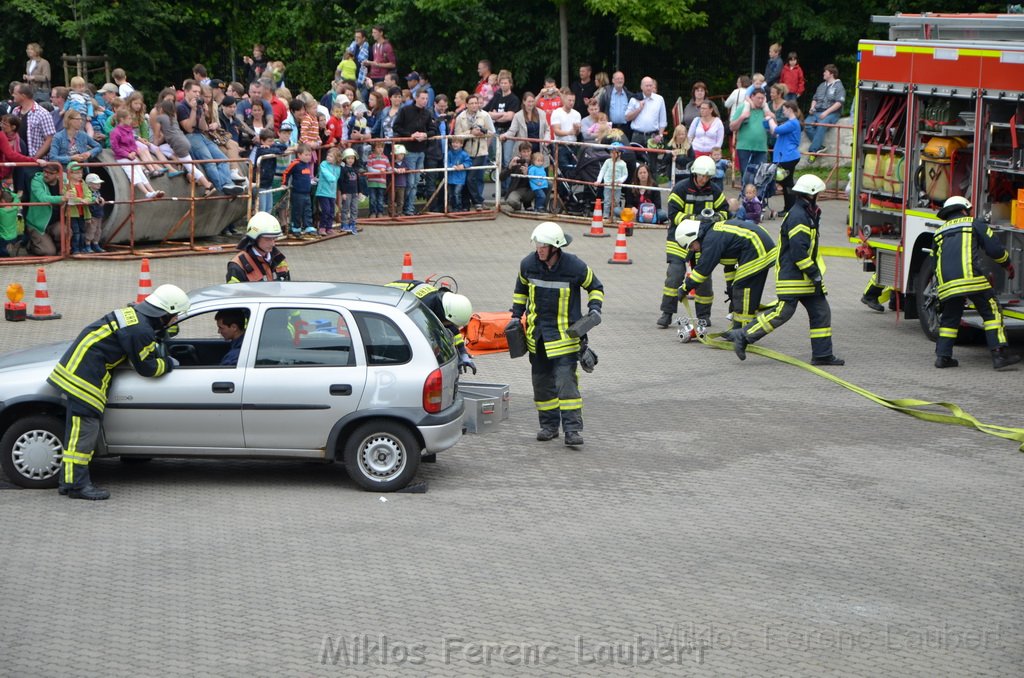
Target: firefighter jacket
[[430, 297], [958, 246], [687, 201], [550, 299], [799, 262], [742, 247], [249, 266], [84, 372]]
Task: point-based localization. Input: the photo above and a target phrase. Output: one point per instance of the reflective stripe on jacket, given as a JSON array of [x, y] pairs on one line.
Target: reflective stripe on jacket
[[958, 246]]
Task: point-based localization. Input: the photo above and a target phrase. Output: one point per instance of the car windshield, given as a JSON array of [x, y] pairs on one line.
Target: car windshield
[[440, 338]]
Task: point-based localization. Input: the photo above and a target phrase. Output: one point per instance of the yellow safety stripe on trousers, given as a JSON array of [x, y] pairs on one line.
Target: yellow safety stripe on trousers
[[997, 321], [910, 406], [571, 404], [675, 249], [670, 291], [948, 332], [546, 405], [710, 299], [820, 332]]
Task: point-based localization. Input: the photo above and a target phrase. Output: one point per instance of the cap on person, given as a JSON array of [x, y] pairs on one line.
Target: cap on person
[[413, 76], [74, 167], [109, 87], [228, 101], [218, 84], [287, 126], [93, 179]]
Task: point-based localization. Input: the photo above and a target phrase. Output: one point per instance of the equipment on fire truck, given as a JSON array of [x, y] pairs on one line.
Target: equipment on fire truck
[[938, 159]]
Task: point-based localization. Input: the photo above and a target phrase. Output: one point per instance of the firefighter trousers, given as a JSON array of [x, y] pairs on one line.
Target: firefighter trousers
[[818, 313], [80, 435], [556, 390], [704, 295], [953, 310], [746, 298]]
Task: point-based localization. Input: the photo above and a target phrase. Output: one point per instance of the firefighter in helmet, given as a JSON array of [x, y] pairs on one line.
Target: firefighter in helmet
[[688, 199], [83, 375], [959, 274], [798, 278], [548, 291], [451, 308], [258, 258]]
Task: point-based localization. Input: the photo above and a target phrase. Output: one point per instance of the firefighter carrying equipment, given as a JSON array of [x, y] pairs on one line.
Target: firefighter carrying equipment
[[515, 338], [581, 327], [958, 250]]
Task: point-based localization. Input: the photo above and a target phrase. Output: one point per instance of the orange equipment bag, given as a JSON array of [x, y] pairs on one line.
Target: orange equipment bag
[[485, 332]]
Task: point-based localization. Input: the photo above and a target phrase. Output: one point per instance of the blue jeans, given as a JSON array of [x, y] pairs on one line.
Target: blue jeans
[[815, 132], [204, 149], [475, 181], [540, 199], [266, 200], [302, 211], [376, 201], [326, 206], [454, 197], [413, 161], [749, 160], [611, 199]]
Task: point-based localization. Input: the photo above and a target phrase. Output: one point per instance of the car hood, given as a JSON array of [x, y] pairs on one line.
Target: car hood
[[47, 353]]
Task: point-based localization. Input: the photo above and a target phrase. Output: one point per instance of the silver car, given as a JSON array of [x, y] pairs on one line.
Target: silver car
[[326, 371]]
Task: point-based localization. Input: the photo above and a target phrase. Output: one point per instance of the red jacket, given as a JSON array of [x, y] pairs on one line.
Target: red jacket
[[9, 153], [793, 78]]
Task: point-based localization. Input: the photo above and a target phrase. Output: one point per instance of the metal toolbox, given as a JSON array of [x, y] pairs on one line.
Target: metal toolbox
[[487, 405]]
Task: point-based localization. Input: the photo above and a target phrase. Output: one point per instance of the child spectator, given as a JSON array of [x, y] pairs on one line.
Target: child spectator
[[752, 206], [347, 69], [268, 168], [299, 177], [680, 147], [79, 197], [80, 100], [349, 184], [327, 189], [400, 178], [94, 224], [613, 174], [458, 160], [358, 127], [721, 165], [9, 207], [756, 83], [284, 135], [336, 128], [793, 77], [304, 113], [538, 173], [488, 90], [377, 167], [122, 143]]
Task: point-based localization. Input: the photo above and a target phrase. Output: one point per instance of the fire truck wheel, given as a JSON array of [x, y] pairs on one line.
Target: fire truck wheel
[[927, 300]]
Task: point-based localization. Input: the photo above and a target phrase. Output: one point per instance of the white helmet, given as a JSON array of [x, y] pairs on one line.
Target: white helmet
[[457, 308], [809, 184], [953, 205], [261, 224], [687, 231], [550, 233], [164, 300], [348, 153], [703, 166]]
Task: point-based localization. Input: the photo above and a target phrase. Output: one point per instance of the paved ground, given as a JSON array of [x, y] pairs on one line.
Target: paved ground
[[724, 518]]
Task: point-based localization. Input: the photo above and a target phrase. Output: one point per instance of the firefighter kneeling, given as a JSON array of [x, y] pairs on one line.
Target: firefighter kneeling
[[958, 273]]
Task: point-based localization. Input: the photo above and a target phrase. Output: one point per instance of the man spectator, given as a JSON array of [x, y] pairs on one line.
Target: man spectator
[[565, 125], [519, 195], [278, 106], [483, 69], [646, 114], [360, 47], [434, 157], [58, 97], [192, 119], [45, 189], [502, 107], [773, 69], [109, 95], [414, 122], [124, 88], [255, 94], [584, 89], [419, 81], [383, 59], [219, 90], [256, 64], [200, 75], [549, 100], [826, 106], [37, 128], [614, 100], [751, 137], [477, 125], [237, 90]]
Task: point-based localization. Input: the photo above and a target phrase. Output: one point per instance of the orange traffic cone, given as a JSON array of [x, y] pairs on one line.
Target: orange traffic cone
[[407, 267], [597, 222], [145, 283], [42, 310], [620, 256]]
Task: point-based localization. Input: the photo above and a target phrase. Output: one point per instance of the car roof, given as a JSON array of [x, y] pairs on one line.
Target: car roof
[[338, 291]]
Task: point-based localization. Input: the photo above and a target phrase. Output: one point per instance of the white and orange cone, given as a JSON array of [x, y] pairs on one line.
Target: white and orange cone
[[597, 222], [145, 283], [621, 256], [407, 268], [42, 310]]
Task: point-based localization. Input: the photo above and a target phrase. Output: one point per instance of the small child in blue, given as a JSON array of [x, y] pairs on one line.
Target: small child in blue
[[398, 166], [350, 185], [268, 168], [721, 165], [300, 175], [458, 160], [327, 189], [538, 174]]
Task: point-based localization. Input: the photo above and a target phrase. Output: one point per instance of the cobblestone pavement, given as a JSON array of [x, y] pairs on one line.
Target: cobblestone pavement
[[723, 518]]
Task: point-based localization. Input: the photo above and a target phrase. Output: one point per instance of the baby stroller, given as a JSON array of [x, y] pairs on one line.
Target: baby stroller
[[579, 199], [764, 180]]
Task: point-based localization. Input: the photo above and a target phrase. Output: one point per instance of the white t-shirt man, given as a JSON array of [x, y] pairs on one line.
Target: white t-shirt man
[[562, 123]]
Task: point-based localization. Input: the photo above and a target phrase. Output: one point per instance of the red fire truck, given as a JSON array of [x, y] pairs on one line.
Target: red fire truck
[[939, 112]]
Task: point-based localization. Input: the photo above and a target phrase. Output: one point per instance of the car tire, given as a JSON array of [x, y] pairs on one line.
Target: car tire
[[927, 301], [31, 449], [382, 455]]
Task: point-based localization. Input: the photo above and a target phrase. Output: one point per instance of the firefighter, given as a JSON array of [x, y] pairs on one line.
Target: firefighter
[[547, 291], [452, 309], [744, 248], [689, 198], [798, 278], [875, 294], [258, 258], [959, 275], [84, 372]]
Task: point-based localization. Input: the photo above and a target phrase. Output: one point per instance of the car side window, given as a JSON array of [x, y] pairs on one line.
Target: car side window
[[304, 337], [384, 342]]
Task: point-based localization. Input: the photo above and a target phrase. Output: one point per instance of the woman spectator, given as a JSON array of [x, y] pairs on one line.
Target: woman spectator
[[37, 72], [71, 143], [168, 135], [776, 97], [9, 151], [602, 84], [636, 197], [738, 96], [786, 152], [375, 103], [387, 118], [530, 122], [692, 110], [460, 102], [257, 117], [707, 131]]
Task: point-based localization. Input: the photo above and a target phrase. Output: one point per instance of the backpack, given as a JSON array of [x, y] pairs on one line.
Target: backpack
[[647, 214]]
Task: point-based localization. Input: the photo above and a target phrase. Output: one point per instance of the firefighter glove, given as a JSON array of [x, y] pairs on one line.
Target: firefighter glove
[[466, 363], [512, 324], [819, 287], [284, 275]]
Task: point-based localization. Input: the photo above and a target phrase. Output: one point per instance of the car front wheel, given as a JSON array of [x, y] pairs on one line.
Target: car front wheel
[[30, 451], [382, 455]]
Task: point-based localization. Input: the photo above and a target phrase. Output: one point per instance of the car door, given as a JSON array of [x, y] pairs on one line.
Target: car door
[[195, 409], [305, 377]]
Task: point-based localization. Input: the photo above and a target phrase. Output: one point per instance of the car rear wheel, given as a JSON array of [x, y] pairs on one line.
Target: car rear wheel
[[31, 449], [382, 455]]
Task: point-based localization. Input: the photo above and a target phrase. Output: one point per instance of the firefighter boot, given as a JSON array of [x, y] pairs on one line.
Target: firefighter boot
[[546, 434], [828, 360], [82, 487], [872, 303], [573, 438], [944, 361], [64, 487], [1002, 358], [739, 343], [665, 320]]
